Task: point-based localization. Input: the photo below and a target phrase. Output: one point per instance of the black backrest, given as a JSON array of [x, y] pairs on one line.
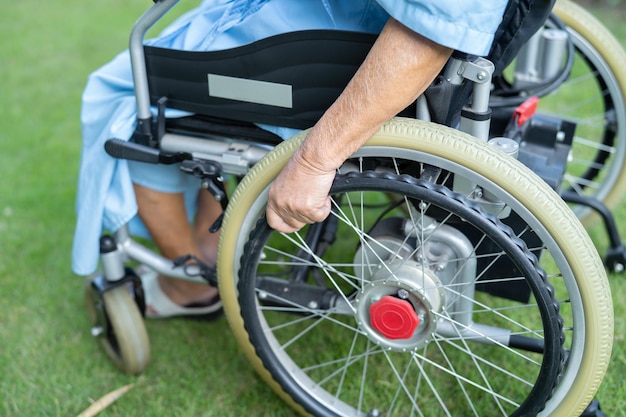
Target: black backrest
[[301, 73], [292, 78]]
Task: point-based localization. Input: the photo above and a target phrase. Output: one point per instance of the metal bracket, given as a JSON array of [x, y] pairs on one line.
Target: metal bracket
[[478, 71]]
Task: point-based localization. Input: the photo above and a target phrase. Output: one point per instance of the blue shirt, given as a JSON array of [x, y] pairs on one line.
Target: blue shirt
[[105, 197]]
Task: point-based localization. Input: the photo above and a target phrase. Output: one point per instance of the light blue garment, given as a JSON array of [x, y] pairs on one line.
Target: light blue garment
[[464, 25], [105, 198]]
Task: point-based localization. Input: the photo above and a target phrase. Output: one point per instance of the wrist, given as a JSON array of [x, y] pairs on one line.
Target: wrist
[[317, 156]]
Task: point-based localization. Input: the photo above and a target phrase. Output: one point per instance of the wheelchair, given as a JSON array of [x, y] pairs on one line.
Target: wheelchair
[[451, 278]]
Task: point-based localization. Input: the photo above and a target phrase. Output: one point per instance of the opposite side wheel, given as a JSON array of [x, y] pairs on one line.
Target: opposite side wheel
[[598, 164], [406, 311], [593, 95], [119, 325]]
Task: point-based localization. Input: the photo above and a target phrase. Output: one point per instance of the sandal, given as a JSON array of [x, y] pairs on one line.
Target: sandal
[[159, 306]]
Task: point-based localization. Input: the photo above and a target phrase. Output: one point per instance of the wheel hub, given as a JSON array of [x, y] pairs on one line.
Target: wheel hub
[[394, 318], [399, 309]]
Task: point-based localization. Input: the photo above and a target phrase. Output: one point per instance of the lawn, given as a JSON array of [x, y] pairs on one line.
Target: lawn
[[49, 362]]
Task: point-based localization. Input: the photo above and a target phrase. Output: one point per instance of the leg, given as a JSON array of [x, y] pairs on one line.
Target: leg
[[165, 217], [208, 210]]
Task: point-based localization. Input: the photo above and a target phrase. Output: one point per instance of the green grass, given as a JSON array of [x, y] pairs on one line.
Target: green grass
[[49, 363]]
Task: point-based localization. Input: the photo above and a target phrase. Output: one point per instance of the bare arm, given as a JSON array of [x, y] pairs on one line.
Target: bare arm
[[397, 70]]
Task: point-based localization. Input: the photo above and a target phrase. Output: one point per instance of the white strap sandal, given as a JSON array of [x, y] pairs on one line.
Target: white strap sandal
[[159, 306]]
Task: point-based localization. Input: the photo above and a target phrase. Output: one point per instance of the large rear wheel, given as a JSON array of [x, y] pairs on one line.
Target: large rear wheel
[[412, 299]]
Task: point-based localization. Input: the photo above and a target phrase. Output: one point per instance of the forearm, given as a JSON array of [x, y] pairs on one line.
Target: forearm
[[398, 69]]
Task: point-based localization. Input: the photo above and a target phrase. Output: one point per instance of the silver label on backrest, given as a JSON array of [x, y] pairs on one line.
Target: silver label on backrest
[[251, 91]]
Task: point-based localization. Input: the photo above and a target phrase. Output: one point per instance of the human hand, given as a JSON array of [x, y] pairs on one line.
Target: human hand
[[299, 195]]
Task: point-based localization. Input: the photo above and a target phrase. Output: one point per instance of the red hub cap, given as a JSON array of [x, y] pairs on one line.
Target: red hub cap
[[394, 318]]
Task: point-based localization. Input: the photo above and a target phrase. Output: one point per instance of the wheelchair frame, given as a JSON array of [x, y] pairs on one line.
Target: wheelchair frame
[[209, 156]]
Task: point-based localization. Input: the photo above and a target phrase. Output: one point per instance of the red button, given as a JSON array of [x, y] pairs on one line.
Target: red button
[[394, 318], [526, 110]]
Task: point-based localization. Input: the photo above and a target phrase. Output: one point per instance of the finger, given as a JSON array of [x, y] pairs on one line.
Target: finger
[[316, 215], [280, 223]]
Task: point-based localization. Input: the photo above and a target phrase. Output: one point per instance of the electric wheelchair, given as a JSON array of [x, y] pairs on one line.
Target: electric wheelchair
[[452, 277]]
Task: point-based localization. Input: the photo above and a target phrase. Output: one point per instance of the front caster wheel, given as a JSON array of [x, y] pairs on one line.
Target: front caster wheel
[[118, 324]]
